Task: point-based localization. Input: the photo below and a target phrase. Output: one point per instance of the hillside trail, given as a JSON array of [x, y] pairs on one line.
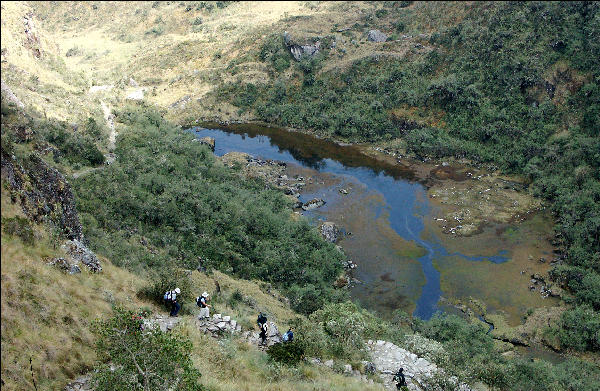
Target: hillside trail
[[385, 356]]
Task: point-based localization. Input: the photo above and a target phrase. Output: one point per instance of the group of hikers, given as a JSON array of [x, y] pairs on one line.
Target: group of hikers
[[261, 321], [170, 300]]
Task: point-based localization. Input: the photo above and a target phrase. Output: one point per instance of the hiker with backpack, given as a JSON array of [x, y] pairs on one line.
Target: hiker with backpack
[[201, 301], [262, 325], [170, 299], [400, 379], [288, 336], [263, 333], [262, 319]]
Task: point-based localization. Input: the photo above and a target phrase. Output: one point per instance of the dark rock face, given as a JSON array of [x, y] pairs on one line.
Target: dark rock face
[[300, 51], [376, 36], [43, 193]]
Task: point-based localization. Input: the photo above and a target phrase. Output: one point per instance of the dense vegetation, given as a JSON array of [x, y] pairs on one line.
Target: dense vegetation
[[513, 85], [167, 201], [466, 350]]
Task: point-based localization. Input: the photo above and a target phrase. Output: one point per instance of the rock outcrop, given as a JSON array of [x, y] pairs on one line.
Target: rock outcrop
[[300, 51], [43, 193], [376, 36], [10, 96], [208, 141], [80, 254], [388, 358], [218, 325], [65, 265], [82, 383], [273, 336], [136, 95]]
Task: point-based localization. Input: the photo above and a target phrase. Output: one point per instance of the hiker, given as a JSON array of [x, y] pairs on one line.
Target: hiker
[[263, 332], [262, 319], [288, 336], [400, 379], [202, 303], [170, 298]]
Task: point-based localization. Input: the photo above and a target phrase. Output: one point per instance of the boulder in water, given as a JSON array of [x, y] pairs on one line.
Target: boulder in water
[[313, 204]]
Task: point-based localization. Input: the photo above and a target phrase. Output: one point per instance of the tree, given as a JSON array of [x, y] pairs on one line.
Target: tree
[[135, 358]]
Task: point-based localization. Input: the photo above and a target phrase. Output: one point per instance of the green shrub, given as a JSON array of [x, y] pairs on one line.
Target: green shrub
[[73, 147], [20, 227], [134, 358], [167, 279], [273, 50], [290, 353], [580, 329]]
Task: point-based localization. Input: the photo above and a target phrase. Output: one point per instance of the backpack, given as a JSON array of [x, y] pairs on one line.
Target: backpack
[[261, 319], [199, 302], [168, 296], [288, 336]]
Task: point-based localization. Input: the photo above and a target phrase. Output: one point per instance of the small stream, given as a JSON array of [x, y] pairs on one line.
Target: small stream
[[384, 195]]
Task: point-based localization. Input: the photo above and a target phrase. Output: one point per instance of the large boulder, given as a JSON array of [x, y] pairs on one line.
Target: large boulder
[[376, 36], [80, 254], [330, 231], [299, 51], [313, 204]]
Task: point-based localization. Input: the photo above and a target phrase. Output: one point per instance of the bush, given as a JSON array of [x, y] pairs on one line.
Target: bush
[[273, 50], [580, 329], [20, 227], [74, 147], [167, 279], [138, 359], [289, 353]]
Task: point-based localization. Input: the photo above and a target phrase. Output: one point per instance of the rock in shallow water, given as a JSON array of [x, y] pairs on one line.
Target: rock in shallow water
[[330, 231], [313, 204]]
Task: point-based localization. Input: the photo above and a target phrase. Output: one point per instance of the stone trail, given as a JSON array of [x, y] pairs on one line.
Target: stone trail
[[388, 358]]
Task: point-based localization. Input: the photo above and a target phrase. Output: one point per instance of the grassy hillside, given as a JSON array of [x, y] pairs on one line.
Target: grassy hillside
[[47, 314]]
